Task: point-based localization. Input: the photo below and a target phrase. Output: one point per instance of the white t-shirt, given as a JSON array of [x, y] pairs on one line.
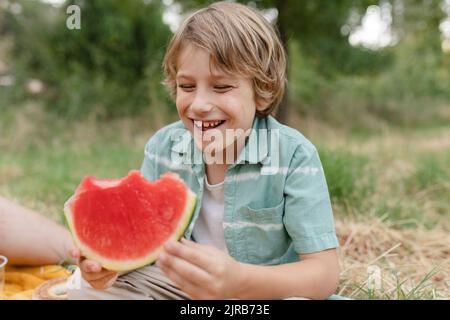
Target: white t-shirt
[[208, 228]]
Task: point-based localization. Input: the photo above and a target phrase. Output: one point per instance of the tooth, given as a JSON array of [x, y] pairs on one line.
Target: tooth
[[198, 123]]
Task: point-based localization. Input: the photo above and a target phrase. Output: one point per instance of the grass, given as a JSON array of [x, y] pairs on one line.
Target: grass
[[390, 189], [419, 292], [412, 263], [401, 176], [51, 174], [349, 183]]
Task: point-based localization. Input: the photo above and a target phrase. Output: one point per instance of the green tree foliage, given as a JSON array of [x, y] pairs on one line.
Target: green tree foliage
[[316, 26], [419, 53], [112, 64]]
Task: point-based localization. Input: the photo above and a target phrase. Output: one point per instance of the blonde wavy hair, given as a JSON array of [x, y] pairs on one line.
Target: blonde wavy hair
[[241, 42]]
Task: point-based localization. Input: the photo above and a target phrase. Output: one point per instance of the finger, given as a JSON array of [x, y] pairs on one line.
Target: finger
[[190, 289], [76, 255], [99, 275], [198, 246], [191, 243], [90, 266], [184, 269], [193, 254], [103, 283]]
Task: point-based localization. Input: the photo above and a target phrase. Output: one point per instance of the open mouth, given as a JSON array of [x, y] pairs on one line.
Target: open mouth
[[207, 125]]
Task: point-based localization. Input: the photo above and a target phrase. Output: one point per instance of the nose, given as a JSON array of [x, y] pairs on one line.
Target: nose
[[201, 103]]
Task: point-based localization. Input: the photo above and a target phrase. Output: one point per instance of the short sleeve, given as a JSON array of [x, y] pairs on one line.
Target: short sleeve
[[308, 216]]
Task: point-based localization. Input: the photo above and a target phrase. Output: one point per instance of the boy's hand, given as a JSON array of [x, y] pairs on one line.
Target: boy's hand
[[91, 271], [201, 271]]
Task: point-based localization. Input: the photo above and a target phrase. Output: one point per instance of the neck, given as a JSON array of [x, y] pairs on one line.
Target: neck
[[215, 172]]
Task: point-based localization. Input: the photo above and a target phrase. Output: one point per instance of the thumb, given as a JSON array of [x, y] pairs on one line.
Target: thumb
[[91, 266], [75, 254]]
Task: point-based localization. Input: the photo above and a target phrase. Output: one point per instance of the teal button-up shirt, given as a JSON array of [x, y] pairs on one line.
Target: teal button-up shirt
[[276, 200]]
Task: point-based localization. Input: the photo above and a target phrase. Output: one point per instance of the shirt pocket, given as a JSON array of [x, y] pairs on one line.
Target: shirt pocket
[[265, 236]]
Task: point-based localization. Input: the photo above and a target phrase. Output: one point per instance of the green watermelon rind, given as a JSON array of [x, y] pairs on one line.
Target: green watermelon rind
[[124, 265]]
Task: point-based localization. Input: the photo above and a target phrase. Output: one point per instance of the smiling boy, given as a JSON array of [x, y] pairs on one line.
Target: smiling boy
[[256, 233]]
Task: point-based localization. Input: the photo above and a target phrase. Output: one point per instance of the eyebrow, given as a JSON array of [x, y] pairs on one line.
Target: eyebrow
[[215, 77]]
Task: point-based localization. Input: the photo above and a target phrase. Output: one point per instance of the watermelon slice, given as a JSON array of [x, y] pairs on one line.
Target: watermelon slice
[[123, 223]]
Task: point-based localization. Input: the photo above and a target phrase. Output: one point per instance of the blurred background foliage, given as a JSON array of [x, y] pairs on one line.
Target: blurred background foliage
[[112, 65]]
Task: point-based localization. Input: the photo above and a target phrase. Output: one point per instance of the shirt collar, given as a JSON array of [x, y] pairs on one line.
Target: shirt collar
[[183, 139], [255, 150]]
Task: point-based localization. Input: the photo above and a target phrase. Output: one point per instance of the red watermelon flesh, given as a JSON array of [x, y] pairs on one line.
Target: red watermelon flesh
[[123, 223]]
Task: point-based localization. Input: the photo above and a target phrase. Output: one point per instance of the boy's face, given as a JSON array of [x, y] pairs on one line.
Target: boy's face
[[212, 104]]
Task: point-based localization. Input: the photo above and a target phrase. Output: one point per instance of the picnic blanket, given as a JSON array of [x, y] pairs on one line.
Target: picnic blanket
[[21, 282]]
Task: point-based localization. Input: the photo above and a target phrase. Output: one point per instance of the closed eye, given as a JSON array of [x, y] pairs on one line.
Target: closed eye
[[219, 89], [186, 87], [222, 89]]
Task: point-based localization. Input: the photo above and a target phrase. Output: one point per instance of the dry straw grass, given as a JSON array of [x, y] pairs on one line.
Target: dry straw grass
[[413, 263]]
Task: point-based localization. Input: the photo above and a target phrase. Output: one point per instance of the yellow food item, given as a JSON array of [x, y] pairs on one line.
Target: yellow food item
[[20, 282], [43, 272], [24, 295]]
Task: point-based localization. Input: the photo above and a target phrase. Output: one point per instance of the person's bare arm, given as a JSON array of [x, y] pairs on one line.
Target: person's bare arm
[[28, 238], [315, 276], [204, 272]]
